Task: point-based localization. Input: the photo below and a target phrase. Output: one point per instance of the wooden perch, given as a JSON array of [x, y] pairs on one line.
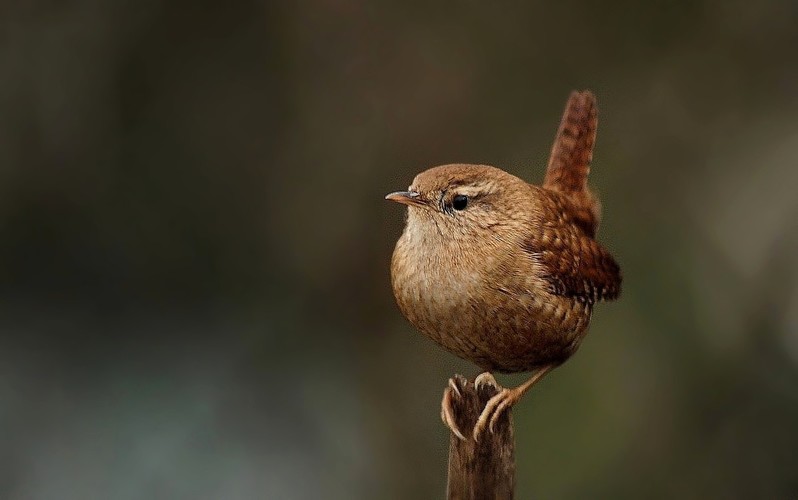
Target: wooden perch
[[483, 469]]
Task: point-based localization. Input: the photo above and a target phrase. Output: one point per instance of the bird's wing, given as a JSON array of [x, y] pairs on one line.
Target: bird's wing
[[572, 262], [571, 154], [588, 274]]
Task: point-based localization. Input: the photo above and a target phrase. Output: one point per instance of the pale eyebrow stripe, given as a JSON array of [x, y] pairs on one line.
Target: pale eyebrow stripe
[[470, 184], [474, 191]]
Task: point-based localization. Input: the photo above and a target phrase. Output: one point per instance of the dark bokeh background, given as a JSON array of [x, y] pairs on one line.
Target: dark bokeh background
[[194, 249]]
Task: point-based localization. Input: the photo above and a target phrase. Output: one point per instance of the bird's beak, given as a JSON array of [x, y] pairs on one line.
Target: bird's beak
[[410, 198]]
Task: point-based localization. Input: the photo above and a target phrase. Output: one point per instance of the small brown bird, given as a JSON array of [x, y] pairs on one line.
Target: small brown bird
[[501, 272]]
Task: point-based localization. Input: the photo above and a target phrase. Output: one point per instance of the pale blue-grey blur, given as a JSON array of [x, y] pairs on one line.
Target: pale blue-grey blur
[[195, 246]]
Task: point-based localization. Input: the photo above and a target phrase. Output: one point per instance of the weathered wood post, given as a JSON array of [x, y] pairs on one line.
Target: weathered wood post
[[483, 469]]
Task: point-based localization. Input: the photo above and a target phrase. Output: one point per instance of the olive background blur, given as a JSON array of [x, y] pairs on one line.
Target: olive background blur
[[196, 299]]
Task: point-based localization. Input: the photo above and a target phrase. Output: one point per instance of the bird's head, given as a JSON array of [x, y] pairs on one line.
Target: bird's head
[[459, 202]]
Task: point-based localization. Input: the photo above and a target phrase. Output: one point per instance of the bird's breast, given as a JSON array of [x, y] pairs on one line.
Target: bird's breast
[[430, 286]]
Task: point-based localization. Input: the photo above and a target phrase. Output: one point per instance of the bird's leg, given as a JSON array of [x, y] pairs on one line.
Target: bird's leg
[[447, 414], [504, 400]]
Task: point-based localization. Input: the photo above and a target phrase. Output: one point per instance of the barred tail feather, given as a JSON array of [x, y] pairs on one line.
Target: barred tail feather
[[572, 152]]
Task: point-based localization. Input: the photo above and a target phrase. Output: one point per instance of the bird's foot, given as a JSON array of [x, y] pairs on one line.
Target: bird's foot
[[504, 400], [460, 395], [447, 412], [494, 408]]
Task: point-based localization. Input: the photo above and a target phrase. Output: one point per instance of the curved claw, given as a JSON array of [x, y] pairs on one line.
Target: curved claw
[[506, 403], [486, 379], [454, 387], [446, 409], [491, 413]]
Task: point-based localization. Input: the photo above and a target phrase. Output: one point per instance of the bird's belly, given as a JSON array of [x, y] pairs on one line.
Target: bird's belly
[[493, 329]]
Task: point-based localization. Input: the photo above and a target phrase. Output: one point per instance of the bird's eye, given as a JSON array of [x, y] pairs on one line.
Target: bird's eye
[[459, 202]]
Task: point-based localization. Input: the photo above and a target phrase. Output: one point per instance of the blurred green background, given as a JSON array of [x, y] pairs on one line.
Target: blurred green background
[[194, 288]]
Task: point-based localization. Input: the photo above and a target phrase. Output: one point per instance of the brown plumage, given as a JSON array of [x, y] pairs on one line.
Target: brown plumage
[[501, 272]]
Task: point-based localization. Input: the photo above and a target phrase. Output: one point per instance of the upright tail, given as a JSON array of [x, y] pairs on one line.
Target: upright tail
[[571, 154]]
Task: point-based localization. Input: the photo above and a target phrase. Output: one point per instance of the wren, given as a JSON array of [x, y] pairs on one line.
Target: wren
[[501, 272]]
